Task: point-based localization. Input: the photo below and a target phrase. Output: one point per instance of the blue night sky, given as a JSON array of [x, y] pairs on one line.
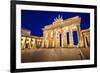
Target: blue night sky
[[36, 20]]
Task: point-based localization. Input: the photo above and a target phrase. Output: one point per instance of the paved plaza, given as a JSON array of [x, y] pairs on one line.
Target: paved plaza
[[43, 54]]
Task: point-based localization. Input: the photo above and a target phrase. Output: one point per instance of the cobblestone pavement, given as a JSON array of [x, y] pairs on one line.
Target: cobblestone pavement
[[43, 54]]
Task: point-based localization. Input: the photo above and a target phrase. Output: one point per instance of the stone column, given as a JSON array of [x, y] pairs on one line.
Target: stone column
[[80, 37], [54, 37], [78, 33], [46, 40], [23, 42], [57, 39], [71, 39], [64, 40], [50, 39]]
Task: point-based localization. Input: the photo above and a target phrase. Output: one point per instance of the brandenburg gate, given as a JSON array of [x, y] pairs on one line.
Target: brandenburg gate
[[60, 33], [63, 36]]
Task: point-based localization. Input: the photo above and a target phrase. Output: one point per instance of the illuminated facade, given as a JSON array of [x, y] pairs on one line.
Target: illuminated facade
[[59, 34], [28, 41]]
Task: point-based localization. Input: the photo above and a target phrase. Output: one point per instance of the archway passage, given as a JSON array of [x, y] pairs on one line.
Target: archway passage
[[87, 42], [67, 37], [75, 37], [60, 40]]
